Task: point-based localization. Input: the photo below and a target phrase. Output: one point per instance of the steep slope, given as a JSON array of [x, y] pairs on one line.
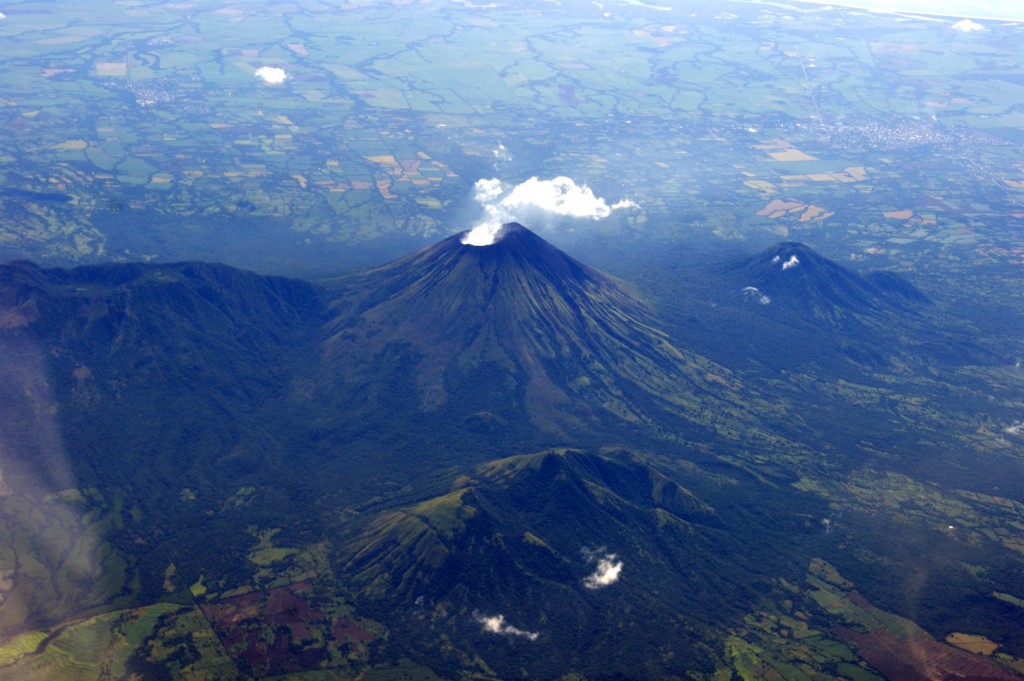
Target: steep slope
[[172, 362], [569, 496], [519, 327], [789, 307], [134, 399], [557, 561], [813, 306], [793, 276]]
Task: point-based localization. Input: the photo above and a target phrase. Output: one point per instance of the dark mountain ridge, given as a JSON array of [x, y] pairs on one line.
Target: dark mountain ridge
[[875, 320], [789, 307], [796, 277], [542, 540], [520, 323], [150, 355], [331, 453], [485, 348]]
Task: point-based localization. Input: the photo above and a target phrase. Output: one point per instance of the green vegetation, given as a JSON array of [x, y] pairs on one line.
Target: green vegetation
[[184, 644], [210, 474], [405, 670], [198, 589], [61, 544], [266, 553], [20, 646], [168, 125], [86, 649], [831, 630], [224, 556]]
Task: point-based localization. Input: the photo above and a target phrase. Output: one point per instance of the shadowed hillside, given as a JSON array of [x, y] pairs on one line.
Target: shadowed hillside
[[521, 325]]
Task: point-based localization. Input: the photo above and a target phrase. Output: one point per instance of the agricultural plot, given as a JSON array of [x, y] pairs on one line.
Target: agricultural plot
[[167, 125], [826, 629], [58, 551], [295, 136]]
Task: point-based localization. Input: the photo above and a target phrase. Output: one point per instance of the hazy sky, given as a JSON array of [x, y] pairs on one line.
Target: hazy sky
[[977, 9]]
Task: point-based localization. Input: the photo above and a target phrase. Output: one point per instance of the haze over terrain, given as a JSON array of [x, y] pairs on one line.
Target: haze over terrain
[[300, 138], [448, 339]]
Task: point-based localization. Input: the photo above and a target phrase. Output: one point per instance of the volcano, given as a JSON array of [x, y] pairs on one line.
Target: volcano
[[807, 307], [794, 276], [517, 324], [523, 538]]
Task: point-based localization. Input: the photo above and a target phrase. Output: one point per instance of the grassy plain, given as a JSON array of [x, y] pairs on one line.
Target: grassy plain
[[167, 125]]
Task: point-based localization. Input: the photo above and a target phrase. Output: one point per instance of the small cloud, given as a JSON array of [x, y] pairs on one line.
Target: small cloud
[[968, 26], [792, 262], [754, 292], [271, 75], [608, 571], [496, 625], [559, 196], [1015, 429], [501, 153], [776, 259]]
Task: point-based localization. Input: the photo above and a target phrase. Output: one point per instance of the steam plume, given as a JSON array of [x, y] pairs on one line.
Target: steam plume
[[560, 196]]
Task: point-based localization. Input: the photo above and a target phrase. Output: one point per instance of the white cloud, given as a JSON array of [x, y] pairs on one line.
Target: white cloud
[[271, 75], [609, 568], [501, 153], [559, 196], [638, 3], [792, 262], [487, 191], [754, 292], [967, 26], [496, 625]]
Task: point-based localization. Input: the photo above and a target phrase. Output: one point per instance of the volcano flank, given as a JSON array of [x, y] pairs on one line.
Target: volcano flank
[[497, 462], [518, 323]]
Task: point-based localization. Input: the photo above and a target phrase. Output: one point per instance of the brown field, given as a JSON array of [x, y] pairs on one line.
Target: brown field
[[115, 69], [899, 214], [791, 155], [278, 632], [972, 643], [778, 208], [919, 657]]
